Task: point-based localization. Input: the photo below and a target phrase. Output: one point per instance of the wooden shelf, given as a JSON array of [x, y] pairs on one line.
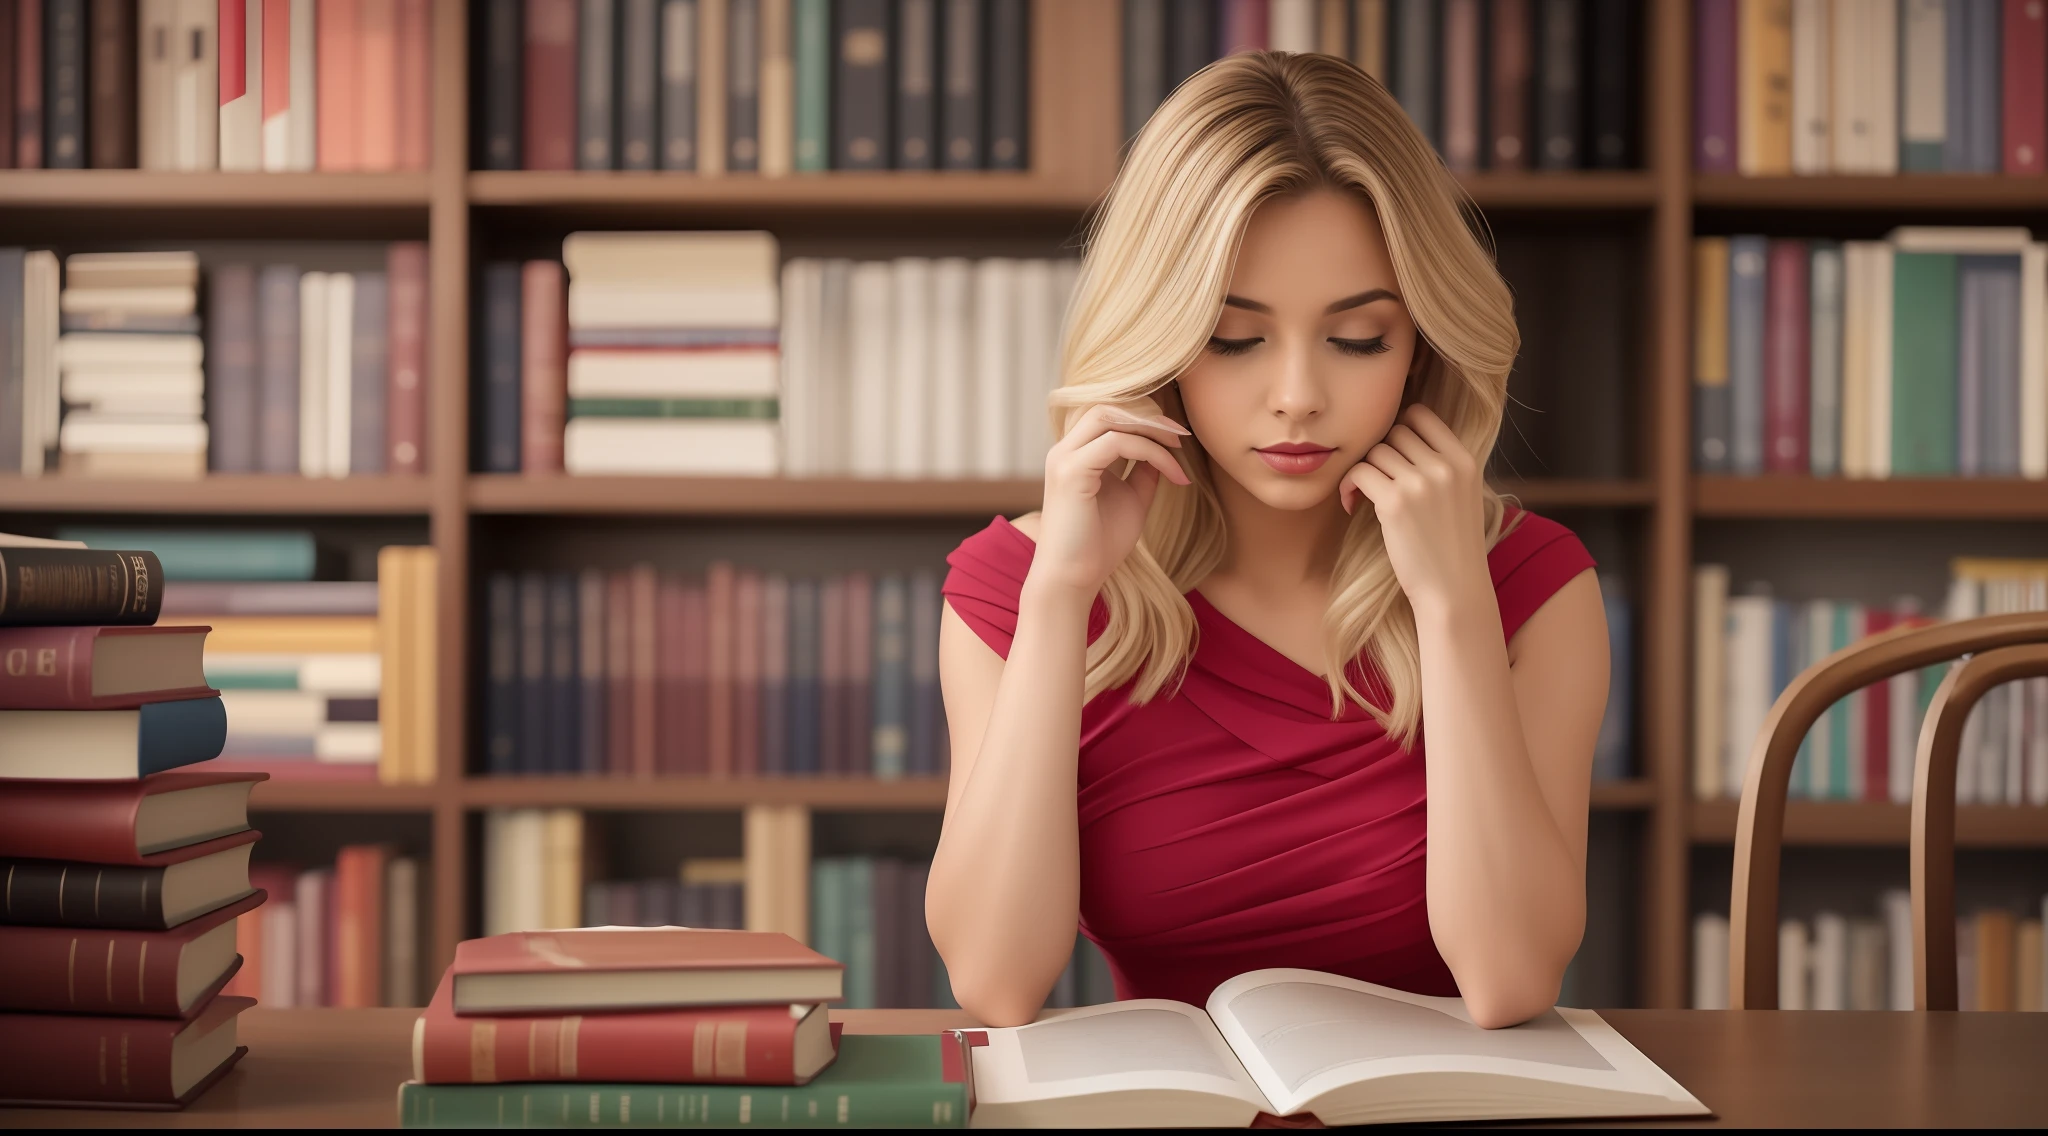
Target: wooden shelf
[[1876, 193], [319, 796], [221, 493], [1877, 823], [839, 191], [828, 793], [1562, 190], [209, 189], [1623, 796], [1580, 493], [726, 496], [1959, 498]]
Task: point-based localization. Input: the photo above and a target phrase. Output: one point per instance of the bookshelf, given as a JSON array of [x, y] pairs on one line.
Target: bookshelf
[[1650, 510]]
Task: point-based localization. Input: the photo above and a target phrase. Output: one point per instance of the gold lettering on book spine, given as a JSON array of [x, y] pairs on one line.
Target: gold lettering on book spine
[[56, 588], [732, 1050], [700, 1051], [566, 1039], [141, 961], [483, 1052]]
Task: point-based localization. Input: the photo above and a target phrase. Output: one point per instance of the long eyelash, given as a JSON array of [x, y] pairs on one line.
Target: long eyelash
[[1373, 346], [1231, 346]]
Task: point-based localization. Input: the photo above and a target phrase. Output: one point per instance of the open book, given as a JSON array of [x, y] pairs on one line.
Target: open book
[[1290, 1042]]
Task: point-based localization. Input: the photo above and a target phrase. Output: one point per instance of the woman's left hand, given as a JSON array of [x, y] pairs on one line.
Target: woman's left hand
[[1425, 487]]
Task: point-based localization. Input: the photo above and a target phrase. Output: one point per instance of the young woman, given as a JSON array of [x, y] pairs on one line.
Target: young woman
[[1188, 698]]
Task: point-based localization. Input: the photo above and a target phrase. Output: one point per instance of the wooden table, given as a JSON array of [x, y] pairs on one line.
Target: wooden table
[[1758, 1068]]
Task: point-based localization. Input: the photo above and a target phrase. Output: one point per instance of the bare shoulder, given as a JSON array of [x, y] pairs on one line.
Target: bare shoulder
[[1027, 524]]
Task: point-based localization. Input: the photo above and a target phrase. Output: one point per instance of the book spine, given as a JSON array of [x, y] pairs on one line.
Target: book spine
[[1746, 294], [1144, 61], [406, 357], [720, 607], [1970, 366], [777, 90], [64, 94], [774, 725], [113, 70], [564, 683], [1009, 85], [1711, 406], [1461, 61], [641, 583], [860, 669], [2025, 73], [921, 708], [670, 601], [1764, 87], [962, 58], [694, 745], [592, 623], [501, 435], [917, 52], [543, 366], [746, 711], [231, 372], [1924, 342], [1714, 101], [51, 668], [241, 85], [811, 65], [501, 695], [415, 125], [59, 1057], [275, 110], [359, 925], [369, 379], [743, 86], [79, 586], [1825, 360], [860, 104], [831, 675], [2005, 290], [50, 893], [1191, 33], [532, 615], [549, 119], [92, 824], [59, 970], [639, 64], [1786, 359], [803, 676], [1611, 51], [28, 85], [1508, 71], [503, 72], [1981, 74], [712, 63], [1559, 105], [679, 85], [377, 84], [883, 1105], [890, 739], [752, 1046], [596, 125]]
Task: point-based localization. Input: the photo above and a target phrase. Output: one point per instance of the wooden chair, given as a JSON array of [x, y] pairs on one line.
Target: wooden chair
[[2002, 648]]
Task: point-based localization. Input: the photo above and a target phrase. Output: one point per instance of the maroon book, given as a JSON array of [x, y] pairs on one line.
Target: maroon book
[[7, 65], [2025, 77], [670, 713], [544, 365], [143, 974], [1877, 717], [1714, 86], [1462, 85], [1508, 87], [550, 127], [641, 583], [113, 85], [746, 711], [719, 603], [405, 405], [101, 668], [618, 674], [1787, 359], [137, 823], [539, 971], [696, 679], [56, 1059], [28, 84]]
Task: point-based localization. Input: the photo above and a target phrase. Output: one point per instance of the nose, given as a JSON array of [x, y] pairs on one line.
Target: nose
[[1296, 391]]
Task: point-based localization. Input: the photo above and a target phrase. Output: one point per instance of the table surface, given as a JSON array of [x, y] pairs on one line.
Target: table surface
[[342, 1068]]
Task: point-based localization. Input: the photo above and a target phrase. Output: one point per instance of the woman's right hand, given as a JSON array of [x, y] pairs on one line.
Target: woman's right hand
[[1093, 515]]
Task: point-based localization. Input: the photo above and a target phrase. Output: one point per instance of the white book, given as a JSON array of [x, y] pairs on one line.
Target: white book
[[1819, 616], [994, 374], [870, 330], [275, 712], [1867, 966], [279, 982], [301, 142], [155, 86], [109, 350], [1795, 970], [1902, 703], [802, 279], [337, 675], [1880, 64], [1878, 359], [195, 93], [340, 386], [1923, 75], [739, 372], [41, 359], [1709, 679], [85, 433], [1037, 367], [834, 370], [401, 931], [1897, 906], [953, 360], [1290, 1042], [1292, 25], [704, 259], [699, 447], [2034, 360], [1812, 148], [1855, 396], [161, 269], [349, 743], [313, 374], [155, 301], [1709, 961], [310, 896], [277, 64], [910, 428], [1830, 960], [604, 305], [241, 107], [1749, 684], [529, 869]]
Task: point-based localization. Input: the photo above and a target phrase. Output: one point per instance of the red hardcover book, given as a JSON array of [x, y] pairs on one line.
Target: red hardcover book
[[1246, 25], [1462, 85], [1508, 83], [415, 84], [696, 680], [735, 1045], [8, 62], [746, 711], [406, 376], [549, 141], [2025, 76], [143, 974], [78, 1059], [618, 674], [544, 365], [831, 675], [358, 929], [719, 604], [100, 668], [336, 74], [670, 712], [1877, 717], [859, 648], [28, 85], [377, 86], [1787, 359], [139, 823], [641, 582], [541, 971]]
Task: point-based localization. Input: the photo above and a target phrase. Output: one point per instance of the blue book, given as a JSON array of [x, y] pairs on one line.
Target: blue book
[[500, 394], [1955, 93], [1612, 748], [803, 676], [1746, 354], [1988, 365], [501, 691], [111, 745], [565, 684], [211, 555], [891, 677], [1984, 83]]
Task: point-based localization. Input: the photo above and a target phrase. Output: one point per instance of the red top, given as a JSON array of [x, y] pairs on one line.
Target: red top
[[1232, 825]]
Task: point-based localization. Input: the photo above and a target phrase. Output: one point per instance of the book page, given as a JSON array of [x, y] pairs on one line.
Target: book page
[[1145, 1044]]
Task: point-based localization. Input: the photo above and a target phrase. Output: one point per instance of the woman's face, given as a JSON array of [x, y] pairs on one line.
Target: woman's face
[[1305, 369]]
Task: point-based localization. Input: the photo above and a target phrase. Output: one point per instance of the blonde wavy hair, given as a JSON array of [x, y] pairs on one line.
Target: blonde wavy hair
[[1158, 262]]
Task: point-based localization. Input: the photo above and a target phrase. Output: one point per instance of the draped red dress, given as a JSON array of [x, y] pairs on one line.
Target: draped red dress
[[1233, 825]]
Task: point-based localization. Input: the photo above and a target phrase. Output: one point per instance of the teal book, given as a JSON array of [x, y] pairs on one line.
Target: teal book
[[858, 881], [1924, 356], [828, 911], [813, 74], [199, 555], [877, 1081]]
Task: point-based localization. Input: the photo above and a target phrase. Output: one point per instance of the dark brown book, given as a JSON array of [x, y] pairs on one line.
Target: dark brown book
[[76, 1059], [1508, 87], [696, 680], [65, 93], [28, 84], [175, 886], [641, 584], [641, 969], [405, 402], [1009, 84], [746, 713], [113, 85], [859, 659], [861, 73], [544, 365], [549, 127], [8, 62], [73, 586], [144, 974], [670, 711], [122, 822], [618, 674], [719, 600]]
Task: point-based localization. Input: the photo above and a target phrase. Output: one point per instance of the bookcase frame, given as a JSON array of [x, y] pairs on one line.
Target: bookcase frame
[[1075, 125]]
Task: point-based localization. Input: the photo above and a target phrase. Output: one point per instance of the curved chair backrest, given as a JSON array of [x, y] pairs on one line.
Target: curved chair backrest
[[1760, 822]]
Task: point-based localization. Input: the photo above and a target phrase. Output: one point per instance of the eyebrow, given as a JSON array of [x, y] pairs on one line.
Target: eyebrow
[[1370, 295]]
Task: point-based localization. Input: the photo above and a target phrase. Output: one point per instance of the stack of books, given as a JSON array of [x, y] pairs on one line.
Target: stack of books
[[345, 934], [663, 1026], [125, 872], [130, 365], [1921, 355]]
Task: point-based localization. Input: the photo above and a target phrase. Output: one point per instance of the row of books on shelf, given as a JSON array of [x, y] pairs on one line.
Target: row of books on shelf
[[1493, 84], [345, 934], [216, 84], [740, 672], [1786, 87], [1865, 962], [1921, 355], [1748, 647], [768, 87]]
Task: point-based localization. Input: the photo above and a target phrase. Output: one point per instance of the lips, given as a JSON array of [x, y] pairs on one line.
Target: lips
[[1295, 457]]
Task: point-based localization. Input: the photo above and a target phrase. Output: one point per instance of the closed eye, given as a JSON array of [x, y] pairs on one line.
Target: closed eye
[[1233, 346], [1373, 346]]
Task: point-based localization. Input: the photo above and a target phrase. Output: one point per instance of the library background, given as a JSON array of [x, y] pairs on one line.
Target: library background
[[561, 410]]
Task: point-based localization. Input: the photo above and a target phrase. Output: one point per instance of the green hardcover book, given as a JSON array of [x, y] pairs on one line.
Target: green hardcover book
[[859, 884], [877, 1081], [813, 67], [201, 555], [754, 408], [1840, 636], [1923, 364]]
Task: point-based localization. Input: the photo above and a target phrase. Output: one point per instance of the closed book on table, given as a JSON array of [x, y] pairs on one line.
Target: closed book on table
[[144, 974], [532, 971], [878, 1081], [51, 1060], [110, 745], [737, 1045], [122, 822], [100, 668], [167, 890], [78, 586]]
